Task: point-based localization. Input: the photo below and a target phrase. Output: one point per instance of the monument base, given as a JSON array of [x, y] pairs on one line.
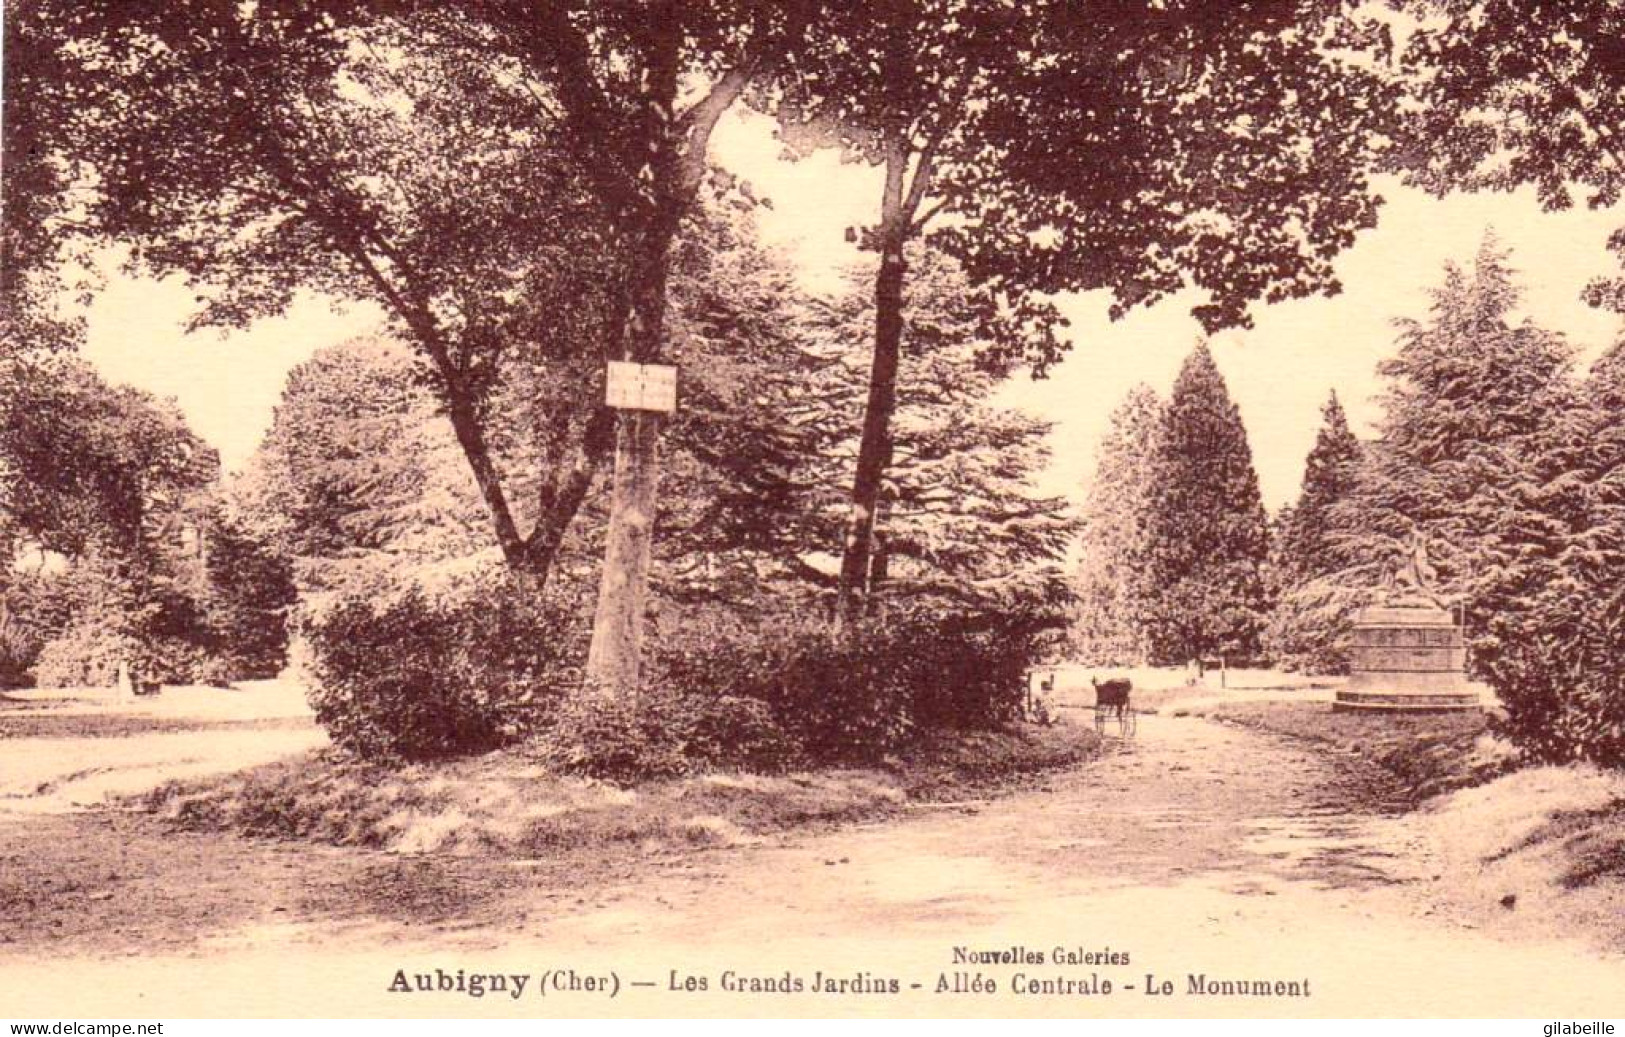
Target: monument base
[[1407, 657], [1406, 702]]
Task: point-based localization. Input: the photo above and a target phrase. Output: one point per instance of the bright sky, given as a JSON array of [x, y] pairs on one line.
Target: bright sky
[[1279, 372]]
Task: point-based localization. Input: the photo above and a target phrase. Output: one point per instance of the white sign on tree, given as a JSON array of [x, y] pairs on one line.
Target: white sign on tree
[[650, 387]]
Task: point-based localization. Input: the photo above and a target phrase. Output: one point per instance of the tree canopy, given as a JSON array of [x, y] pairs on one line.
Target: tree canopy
[[1505, 94], [1305, 549], [1471, 401], [87, 465], [957, 512], [1137, 148]]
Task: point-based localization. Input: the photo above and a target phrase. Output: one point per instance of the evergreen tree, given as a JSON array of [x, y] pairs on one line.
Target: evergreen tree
[[1308, 628], [959, 518], [1207, 537], [361, 481], [1509, 470], [1109, 580], [358, 478], [1557, 661], [1305, 551], [1467, 446]]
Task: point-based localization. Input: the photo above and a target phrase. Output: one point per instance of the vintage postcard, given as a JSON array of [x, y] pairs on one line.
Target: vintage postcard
[[660, 508]]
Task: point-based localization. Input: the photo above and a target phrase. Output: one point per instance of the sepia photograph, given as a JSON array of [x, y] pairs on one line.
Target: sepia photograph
[[784, 509]]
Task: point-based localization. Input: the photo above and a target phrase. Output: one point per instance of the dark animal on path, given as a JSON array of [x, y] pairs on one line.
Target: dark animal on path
[[1112, 696]]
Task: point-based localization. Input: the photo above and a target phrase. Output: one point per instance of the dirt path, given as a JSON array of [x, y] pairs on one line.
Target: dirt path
[[1195, 850], [61, 754]]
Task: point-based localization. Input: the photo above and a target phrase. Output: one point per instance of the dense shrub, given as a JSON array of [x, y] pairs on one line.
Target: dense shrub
[[420, 677], [606, 736], [426, 676], [664, 733], [220, 672], [852, 696], [83, 656], [87, 655], [17, 654], [170, 660], [100, 611], [1559, 671], [21, 638]]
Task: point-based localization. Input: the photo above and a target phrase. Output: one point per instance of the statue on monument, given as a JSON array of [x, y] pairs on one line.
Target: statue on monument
[[1407, 651], [1412, 583]]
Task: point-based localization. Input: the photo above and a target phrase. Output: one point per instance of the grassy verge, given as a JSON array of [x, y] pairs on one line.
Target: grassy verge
[[1535, 854], [117, 725], [507, 804], [1430, 753]]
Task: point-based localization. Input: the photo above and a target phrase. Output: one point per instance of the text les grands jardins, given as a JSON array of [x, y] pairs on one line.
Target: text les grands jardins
[[1060, 971]]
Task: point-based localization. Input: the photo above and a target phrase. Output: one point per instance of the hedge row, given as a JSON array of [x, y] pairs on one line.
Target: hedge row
[[421, 677]]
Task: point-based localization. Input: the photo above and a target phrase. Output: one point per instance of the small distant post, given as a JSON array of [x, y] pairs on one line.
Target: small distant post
[[126, 686]]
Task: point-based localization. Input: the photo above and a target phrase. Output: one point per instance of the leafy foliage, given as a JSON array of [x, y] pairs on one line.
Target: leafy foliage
[[1311, 625], [1147, 149], [1076, 149], [358, 473], [1505, 94], [35, 193], [419, 678], [248, 600], [1560, 680], [664, 733], [1502, 95], [958, 514], [109, 609], [84, 463], [360, 476], [1557, 663], [111, 491], [363, 160], [1207, 540], [1305, 548], [1511, 473], [846, 698]]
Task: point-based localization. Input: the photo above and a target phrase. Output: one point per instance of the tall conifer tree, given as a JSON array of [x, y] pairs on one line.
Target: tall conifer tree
[[1549, 616], [1207, 537], [1109, 579], [1308, 628], [1304, 551], [1467, 439]]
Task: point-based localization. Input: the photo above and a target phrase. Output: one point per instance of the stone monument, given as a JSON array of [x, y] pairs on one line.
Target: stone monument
[[1408, 654]]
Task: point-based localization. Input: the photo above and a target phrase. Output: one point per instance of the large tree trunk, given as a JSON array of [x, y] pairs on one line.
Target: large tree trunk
[[679, 165], [875, 447], [617, 629]]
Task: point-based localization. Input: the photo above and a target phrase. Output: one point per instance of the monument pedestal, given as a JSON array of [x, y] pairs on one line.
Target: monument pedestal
[[1408, 658]]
